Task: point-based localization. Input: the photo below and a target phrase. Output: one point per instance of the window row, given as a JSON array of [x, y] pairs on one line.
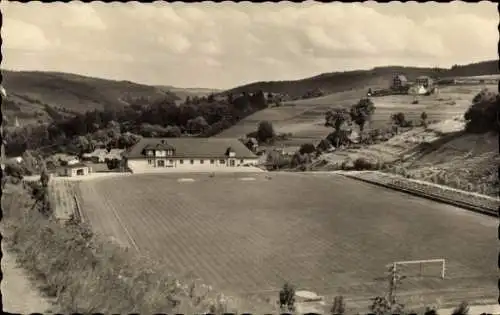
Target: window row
[[150, 161]]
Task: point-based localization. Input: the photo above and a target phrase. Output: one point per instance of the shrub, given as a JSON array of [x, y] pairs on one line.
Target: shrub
[[15, 170], [483, 115], [338, 307], [462, 309], [336, 118], [307, 148], [362, 163], [287, 297], [399, 119]]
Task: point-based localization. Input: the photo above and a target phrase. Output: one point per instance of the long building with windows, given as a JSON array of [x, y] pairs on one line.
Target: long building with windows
[[199, 154]]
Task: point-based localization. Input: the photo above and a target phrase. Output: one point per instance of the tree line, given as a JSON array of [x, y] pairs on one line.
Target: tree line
[[197, 116]]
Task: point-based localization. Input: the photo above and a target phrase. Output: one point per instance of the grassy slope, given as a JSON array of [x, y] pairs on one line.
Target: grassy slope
[[305, 118], [469, 162], [31, 90]]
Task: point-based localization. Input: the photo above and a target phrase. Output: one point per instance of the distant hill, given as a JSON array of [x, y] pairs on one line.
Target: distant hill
[[183, 93], [381, 76], [30, 92]]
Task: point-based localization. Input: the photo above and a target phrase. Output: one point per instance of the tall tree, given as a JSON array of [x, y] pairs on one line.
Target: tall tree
[[362, 112], [265, 131]]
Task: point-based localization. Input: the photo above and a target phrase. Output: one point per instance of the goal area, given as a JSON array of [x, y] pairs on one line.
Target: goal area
[[426, 268]]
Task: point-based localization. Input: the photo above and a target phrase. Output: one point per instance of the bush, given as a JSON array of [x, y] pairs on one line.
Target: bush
[[361, 164], [483, 115], [307, 148], [287, 297], [15, 170], [399, 119]]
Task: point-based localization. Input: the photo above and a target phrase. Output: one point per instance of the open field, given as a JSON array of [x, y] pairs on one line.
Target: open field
[[323, 233], [305, 118]]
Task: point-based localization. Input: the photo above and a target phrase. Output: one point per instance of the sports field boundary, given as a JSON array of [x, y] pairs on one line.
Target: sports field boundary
[[462, 199]]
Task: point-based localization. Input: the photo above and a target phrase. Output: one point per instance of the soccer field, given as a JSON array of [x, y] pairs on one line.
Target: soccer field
[[247, 233]]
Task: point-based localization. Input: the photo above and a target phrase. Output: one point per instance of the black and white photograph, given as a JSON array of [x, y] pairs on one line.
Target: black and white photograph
[[250, 158]]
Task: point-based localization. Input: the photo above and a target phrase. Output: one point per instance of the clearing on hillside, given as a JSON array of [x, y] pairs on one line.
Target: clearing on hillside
[[305, 118], [324, 233]]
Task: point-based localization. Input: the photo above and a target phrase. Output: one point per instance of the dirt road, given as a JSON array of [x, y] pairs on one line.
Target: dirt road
[[18, 294]]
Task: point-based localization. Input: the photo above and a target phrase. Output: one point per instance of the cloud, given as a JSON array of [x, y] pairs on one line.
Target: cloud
[[20, 35], [82, 16], [174, 42], [165, 43]]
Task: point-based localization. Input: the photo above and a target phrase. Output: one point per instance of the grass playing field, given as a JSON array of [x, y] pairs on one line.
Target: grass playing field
[[324, 233]]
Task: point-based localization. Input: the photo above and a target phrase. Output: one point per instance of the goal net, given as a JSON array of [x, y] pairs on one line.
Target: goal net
[[427, 268]]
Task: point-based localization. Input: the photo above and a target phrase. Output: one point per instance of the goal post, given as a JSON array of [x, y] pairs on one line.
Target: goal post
[[420, 265]]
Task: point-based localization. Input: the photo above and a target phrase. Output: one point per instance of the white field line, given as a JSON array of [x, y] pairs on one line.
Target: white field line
[[127, 232], [182, 180], [247, 178]]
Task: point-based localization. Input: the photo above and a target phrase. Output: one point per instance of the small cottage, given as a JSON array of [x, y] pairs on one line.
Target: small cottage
[[75, 170]]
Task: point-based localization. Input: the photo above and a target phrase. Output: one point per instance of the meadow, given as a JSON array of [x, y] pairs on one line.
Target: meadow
[[304, 119], [247, 236]]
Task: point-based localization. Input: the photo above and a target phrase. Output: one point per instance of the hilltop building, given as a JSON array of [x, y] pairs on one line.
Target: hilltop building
[[399, 81], [425, 81], [200, 154]]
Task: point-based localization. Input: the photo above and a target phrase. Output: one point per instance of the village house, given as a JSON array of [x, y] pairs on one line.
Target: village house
[[399, 81], [74, 170], [288, 151], [189, 154]]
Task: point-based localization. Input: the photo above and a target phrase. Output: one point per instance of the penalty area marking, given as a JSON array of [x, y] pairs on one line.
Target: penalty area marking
[[183, 180], [247, 178]]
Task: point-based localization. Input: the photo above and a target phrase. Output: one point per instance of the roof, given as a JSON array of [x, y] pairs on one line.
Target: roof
[[193, 147], [99, 152], [77, 165], [64, 156]]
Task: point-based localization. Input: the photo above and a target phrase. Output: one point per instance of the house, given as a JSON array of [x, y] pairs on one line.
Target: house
[[417, 90], [424, 81], [74, 170], [200, 154], [288, 151], [399, 81]]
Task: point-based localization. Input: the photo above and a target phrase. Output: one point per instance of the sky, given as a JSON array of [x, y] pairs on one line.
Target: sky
[[223, 45]]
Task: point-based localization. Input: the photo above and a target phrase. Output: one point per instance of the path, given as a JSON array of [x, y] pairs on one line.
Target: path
[[18, 294]]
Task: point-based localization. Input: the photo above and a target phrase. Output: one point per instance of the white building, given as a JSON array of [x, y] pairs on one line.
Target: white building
[[198, 154], [76, 170]]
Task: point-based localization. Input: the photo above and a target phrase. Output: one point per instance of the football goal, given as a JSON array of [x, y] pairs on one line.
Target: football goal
[[428, 268]]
